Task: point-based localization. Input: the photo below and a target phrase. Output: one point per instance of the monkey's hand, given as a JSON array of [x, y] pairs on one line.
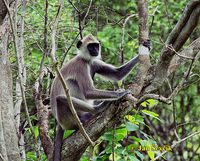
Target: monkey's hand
[[123, 93], [145, 47]]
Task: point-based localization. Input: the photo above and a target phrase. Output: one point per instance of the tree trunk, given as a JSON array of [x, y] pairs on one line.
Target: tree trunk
[[9, 149]]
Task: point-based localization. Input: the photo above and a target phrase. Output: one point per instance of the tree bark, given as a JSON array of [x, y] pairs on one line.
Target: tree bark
[[9, 149], [8, 136]]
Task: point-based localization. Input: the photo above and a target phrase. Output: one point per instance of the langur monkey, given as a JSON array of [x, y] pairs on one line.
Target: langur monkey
[[78, 74]]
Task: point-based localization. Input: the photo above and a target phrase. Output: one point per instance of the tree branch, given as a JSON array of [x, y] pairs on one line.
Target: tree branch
[[177, 38], [144, 60]]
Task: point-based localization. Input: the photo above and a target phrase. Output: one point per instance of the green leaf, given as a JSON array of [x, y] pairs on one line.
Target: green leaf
[[149, 103], [108, 136], [121, 133], [36, 131], [119, 83], [139, 119], [131, 127], [68, 133], [151, 114], [131, 118], [151, 154]]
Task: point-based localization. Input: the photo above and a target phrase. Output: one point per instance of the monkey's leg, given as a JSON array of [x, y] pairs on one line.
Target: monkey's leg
[[58, 144], [79, 104], [66, 121], [64, 115]]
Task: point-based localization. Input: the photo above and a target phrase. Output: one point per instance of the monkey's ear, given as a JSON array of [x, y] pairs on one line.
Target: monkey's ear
[[78, 45]]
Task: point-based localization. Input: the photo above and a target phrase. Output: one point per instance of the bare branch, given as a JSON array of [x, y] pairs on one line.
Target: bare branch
[[88, 10], [43, 113], [123, 35], [188, 52]]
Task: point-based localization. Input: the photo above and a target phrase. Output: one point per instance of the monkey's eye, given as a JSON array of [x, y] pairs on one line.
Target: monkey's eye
[[94, 46]]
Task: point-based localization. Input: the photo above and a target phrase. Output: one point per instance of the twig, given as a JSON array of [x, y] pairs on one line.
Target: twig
[[42, 113], [123, 35], [1, 157], [68, 49], [191, 122], [45, 37], [154, 96], [178, 142], [180, 85], [79, 18], [42, 110], [88, 10], [182, 56], [66, 89], [152, 21]]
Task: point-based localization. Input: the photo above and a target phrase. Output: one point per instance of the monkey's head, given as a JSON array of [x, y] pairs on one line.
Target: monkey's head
[[89, 47]]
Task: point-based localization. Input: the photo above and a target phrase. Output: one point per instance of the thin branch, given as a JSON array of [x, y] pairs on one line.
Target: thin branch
[[152, 21], [170, 47], [66, 89], [76, 9], [79, 18], [45, 51], [123, 35], [154, 96], [180, 85], [68, 49], [88, 10], [191, 122], [178, 36]]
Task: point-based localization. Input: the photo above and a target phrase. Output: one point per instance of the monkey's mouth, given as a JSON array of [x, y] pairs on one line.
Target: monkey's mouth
[[94, 54]]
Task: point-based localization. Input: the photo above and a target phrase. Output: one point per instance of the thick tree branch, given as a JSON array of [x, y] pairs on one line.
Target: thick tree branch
[[176, 39], [43, 113], [144, 60]]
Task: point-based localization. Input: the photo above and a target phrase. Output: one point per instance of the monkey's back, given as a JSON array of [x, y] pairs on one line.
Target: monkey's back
[[75, 73]]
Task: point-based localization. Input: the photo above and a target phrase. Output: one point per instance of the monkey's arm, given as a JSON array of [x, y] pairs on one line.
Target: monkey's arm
[[115, 73], [118, 73], [105, 95]]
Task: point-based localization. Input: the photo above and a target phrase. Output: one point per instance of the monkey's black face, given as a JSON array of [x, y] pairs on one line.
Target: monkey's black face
[[93, 49]]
